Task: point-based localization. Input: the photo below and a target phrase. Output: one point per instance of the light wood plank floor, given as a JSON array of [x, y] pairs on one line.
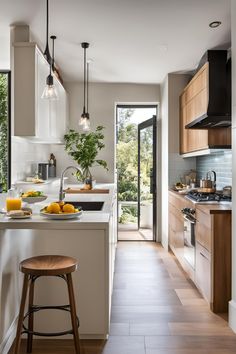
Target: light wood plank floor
[[142, 235], [155, 310]]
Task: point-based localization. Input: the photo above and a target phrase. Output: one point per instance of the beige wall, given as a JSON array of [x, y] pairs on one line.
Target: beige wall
[[103, 98], [173, 165]]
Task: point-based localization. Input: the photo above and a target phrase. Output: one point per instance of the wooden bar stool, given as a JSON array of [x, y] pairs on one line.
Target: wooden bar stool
[[33, 268]]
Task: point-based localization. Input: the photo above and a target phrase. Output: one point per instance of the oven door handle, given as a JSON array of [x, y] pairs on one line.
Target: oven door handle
[[187, 218]]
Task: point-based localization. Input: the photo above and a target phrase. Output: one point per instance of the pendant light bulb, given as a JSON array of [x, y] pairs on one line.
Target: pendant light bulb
[[82, 121], [50, 92], [83, 118], [86, 125]]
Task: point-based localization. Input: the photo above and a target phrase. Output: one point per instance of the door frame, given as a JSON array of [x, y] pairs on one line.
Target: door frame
[[150, 122], [136, 105]]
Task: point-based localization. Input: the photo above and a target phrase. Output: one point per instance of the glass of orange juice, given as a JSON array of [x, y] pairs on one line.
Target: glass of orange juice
[[13, 200]]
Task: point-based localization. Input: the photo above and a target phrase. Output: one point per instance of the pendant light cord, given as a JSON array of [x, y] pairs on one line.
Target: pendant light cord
[[84, 77], [47, 23], [53, 56], [47, 51], [87, 86], [85, 45], [51, 60]]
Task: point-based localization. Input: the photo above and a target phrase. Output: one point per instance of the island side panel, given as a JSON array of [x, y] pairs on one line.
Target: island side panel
[[14, 246], [91, 281]]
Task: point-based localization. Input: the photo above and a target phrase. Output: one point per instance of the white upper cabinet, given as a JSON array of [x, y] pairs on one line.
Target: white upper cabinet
[[36, 118]]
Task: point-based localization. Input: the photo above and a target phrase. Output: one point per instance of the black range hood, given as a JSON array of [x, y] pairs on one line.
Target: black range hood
[[218, 113]]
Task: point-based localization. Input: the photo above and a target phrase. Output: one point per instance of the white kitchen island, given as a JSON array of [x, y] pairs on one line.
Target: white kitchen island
[[90, 239]]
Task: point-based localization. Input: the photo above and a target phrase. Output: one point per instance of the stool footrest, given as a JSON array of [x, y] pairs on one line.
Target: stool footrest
[[36, 308]]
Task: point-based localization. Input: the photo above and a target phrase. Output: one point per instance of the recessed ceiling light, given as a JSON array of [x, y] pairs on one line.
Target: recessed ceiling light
[[215, 24]]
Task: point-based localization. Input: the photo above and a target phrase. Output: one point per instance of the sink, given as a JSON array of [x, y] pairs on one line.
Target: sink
[[87, 206]]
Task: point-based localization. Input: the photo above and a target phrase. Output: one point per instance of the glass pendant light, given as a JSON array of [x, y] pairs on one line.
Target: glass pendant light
[[84, 119], [86, 125], [50, 92]]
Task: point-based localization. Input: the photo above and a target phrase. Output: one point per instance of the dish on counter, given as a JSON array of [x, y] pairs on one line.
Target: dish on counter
[[60, 211], [24, 213], [33, 197], [62, 216], [179, 186], [31, 181]]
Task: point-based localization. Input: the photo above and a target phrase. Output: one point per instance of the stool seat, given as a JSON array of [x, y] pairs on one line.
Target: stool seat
[[49, 265]]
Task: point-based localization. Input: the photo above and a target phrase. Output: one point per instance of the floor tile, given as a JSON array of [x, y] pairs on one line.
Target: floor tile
[[119, 329], [200, 329], [125, 345], [145, 329]]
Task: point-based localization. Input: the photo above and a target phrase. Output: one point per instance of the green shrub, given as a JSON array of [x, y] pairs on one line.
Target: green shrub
[[3, 130]]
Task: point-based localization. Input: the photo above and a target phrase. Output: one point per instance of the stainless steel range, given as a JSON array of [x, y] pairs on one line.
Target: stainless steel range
[[197, 197], [189, 235], [209, 198]]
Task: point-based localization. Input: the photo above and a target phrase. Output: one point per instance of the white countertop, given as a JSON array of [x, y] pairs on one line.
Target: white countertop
[[88, 220]]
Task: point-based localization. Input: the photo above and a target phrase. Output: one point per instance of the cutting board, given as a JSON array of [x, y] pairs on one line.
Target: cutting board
[[87, 191]]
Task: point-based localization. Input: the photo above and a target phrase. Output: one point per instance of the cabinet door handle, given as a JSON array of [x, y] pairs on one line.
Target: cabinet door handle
[[203, 255]]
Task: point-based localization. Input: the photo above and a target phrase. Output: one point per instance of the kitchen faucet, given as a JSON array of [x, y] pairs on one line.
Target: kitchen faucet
[[208, 176], [61, 191]]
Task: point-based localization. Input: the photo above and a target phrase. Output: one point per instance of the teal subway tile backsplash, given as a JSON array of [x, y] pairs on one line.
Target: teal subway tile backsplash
[[221, 163]]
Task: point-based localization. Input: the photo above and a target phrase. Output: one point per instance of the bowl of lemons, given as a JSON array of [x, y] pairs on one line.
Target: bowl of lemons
[[60, 211]]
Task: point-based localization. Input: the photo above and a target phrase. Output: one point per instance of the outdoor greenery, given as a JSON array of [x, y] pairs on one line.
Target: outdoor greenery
[[127, 157], [127, 164], [129, 215], [3, 130], [83, 148]]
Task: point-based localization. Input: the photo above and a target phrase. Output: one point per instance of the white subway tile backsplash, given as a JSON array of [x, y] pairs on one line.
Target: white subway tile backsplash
[[26, 156]]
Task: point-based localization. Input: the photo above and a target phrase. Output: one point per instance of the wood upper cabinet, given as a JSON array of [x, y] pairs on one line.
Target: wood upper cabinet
[[193, 104], [190, 139], [197, 94]]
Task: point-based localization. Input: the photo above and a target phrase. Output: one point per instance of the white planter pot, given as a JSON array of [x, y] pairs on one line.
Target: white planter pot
[[146, 216]]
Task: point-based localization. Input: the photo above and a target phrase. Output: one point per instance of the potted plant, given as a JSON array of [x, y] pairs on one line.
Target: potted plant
[[83, 148]]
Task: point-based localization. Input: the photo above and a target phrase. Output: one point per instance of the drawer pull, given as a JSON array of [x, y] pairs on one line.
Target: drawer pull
[[203, 255]]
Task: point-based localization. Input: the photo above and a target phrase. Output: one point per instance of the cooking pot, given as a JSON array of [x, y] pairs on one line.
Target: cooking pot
[[206, 183], [227, 191]]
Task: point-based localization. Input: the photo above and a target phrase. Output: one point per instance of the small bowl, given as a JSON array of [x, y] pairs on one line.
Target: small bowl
[[32, 200]]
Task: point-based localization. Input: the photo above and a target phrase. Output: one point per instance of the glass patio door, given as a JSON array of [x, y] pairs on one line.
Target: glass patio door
[[147, 179]]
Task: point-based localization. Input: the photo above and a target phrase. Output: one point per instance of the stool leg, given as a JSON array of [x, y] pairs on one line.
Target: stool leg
[[21, 314], [31, 316], [73, 313]]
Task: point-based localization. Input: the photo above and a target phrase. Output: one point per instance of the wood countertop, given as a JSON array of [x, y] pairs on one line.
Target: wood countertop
[[215, 208]]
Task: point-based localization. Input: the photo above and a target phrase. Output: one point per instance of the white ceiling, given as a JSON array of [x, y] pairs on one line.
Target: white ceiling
[[137, 41]]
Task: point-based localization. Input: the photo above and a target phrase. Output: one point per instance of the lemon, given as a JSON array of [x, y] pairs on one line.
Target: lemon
[[53, 208], [61, 204], [68, 208]]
